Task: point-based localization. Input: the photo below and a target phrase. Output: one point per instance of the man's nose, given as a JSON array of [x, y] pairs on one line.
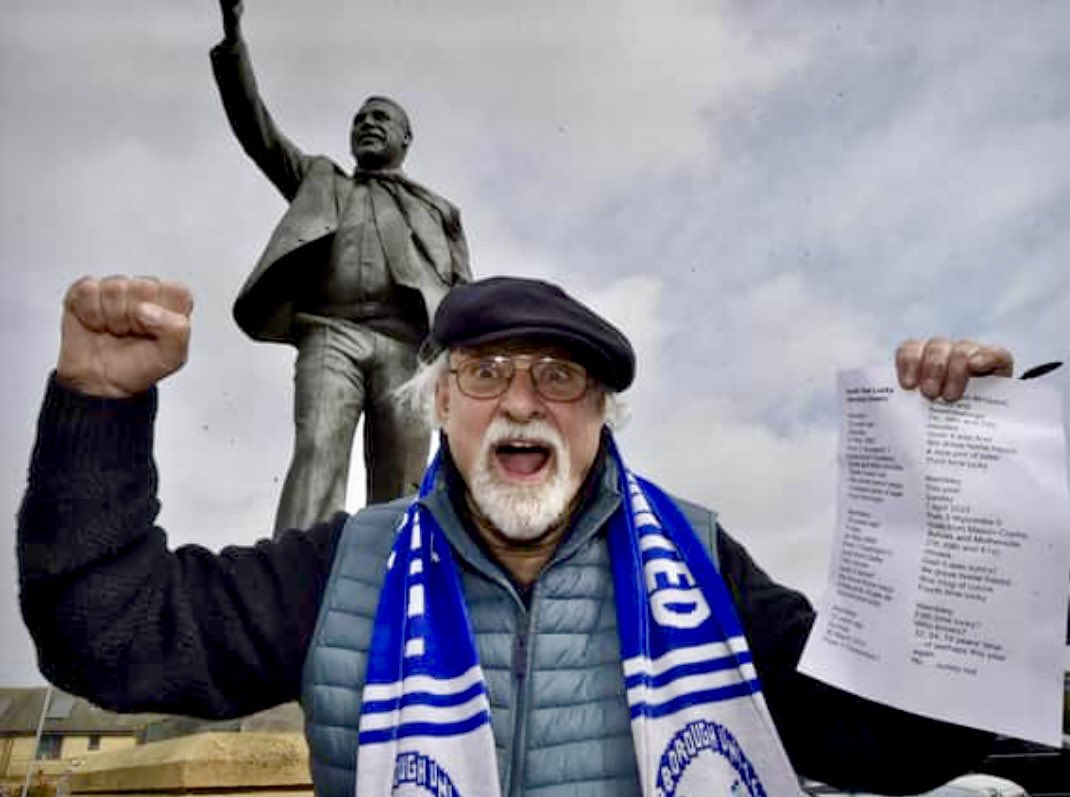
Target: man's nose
[[520, 401]]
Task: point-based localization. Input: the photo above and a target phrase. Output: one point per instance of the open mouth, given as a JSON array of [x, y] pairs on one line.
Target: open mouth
[[522, 459]]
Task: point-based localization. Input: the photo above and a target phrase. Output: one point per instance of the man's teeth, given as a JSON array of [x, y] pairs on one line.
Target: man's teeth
[[522, 457]]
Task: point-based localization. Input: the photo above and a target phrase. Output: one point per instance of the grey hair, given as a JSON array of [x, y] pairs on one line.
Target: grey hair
[[417, 395]]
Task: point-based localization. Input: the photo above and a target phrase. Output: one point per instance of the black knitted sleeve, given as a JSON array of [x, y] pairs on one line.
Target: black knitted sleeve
[[831, 735], [119, 618]]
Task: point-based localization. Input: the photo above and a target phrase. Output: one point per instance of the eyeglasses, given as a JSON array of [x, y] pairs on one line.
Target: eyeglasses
[[490, 377]]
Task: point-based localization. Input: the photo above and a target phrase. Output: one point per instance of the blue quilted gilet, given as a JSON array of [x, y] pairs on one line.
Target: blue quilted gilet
[[558, 708]]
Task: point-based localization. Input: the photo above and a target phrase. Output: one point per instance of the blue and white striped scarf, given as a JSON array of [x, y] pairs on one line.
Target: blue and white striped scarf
[[699, 722]]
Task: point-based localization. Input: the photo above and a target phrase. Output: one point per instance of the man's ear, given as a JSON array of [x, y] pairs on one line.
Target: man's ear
[[602, 404], [442, 402]]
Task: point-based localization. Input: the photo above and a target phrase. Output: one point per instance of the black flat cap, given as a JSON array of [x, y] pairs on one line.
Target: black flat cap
[[507, 308]]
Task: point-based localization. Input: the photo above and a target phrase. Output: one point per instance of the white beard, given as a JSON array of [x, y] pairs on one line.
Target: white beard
[[522, 511]]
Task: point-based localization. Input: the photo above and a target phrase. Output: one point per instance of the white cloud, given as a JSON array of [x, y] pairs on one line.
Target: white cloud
[[792, 342]]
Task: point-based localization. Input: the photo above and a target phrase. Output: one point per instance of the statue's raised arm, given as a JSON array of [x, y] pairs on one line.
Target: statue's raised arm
[[279, 158]]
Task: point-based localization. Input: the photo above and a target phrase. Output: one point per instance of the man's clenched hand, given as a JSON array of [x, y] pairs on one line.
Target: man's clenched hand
[[122, 335], [941, 367]]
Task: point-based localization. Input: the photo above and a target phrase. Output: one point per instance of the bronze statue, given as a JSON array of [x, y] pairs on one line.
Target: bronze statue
[[351, 276]]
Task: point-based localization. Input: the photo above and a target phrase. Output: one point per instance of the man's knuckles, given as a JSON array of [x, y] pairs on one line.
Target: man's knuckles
[[943, 367], [907, 357], [83, 303], [129, 305], [116, 304]]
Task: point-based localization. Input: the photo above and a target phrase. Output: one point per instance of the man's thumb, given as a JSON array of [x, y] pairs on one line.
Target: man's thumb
[[151, 315], [169, 329]]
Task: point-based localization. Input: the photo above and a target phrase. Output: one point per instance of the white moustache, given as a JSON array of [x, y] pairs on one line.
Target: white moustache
[[502, 430]]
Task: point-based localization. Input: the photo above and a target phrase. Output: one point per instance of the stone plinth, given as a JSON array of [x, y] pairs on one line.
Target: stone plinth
[[221, 762]]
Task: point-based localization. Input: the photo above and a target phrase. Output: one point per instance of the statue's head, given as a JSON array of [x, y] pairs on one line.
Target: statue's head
[[380, 134]]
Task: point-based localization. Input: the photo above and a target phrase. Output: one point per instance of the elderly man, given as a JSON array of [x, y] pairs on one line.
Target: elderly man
[[351, 277], [539, 620]]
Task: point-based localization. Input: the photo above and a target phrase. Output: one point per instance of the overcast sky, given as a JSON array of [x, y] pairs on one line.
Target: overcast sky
[[757, 193]]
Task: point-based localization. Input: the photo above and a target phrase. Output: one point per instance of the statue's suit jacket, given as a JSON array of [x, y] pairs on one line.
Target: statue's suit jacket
[[422, 236]]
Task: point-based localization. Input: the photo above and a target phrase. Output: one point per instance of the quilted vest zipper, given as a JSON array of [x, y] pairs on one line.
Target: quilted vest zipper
[[521, 682]]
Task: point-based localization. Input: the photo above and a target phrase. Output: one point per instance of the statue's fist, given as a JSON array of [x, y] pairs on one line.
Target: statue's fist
[[121, 335], [232, 11]]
